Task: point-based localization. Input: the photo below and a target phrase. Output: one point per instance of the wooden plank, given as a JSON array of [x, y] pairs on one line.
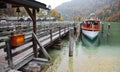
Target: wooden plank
[[19, 58], [40, 61], [41, 47], [18, 52], [18, 64], [51, 35]]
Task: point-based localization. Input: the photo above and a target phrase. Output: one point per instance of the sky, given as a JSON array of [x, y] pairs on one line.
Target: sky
[[53, 3]]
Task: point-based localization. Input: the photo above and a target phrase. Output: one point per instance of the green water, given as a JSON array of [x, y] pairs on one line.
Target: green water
[[102, 55]]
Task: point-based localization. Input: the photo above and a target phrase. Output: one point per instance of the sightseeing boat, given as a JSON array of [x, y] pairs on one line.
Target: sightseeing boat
[[90, 28]]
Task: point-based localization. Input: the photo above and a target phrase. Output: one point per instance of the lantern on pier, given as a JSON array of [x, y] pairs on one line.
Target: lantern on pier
[[16, 39]]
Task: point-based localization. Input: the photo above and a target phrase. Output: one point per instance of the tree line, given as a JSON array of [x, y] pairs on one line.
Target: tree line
[[42, 13]]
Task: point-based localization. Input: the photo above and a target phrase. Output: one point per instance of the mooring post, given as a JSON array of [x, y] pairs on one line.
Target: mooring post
[[108, 29], [71, 44], [74, 28], [102, 27], [78, 31]]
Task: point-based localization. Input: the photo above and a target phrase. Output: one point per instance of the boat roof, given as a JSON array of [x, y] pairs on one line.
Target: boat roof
[[92, 20], [23, 3]]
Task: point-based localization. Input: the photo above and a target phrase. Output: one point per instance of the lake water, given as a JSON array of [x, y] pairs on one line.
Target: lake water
[[100, 55]]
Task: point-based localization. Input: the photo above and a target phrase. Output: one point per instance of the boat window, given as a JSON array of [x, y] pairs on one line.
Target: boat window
[[95, 23], [88, 23]]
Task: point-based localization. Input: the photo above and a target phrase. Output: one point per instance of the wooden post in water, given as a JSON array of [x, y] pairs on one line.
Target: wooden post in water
[[71, 43], [102, 27], [78, 31], [108, 29], [74, 28]]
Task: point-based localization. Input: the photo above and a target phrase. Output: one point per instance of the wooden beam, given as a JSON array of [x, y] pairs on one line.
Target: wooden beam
[[33, 17], [30, 13], [41, 47], [26, 3], [34, 22], [34, 30]]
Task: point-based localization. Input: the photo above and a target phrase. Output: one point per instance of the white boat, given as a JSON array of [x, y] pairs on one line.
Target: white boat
[[90, 43], [90, 34], [91, 28]]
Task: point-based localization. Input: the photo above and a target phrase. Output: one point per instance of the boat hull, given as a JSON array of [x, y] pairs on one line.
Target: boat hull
[[90, 43], [90, 34]]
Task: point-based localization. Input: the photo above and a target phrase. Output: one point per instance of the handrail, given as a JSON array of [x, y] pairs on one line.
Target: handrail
[[41, 47]]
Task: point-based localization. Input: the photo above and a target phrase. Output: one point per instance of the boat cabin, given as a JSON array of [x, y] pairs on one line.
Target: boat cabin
[[91, 25]]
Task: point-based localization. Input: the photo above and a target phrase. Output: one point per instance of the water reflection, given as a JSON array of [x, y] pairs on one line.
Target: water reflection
[[100, 55], [88, 42], [70, 64]]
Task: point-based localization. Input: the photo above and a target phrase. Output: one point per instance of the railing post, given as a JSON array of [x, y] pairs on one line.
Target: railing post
[[64, 29], [35, 50], [44, 27], [59, 32], [51, 35], [9, 53], [102, 27], [68, 27]]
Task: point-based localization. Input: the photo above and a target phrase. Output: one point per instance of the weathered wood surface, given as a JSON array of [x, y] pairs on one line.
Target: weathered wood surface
[[21, 56], [71, 42], [28, 53]]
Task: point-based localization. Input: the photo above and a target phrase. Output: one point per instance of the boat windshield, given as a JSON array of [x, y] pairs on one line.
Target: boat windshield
[[92, 23]]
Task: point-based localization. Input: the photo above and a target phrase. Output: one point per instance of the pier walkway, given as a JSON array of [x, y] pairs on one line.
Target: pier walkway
[[24, 53], [34, 35]]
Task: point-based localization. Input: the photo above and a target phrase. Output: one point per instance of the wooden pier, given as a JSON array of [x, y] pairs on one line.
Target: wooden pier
[[24, 53], [36, 36]]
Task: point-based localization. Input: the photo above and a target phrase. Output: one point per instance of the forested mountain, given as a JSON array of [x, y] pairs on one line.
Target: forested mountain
[[108, 10]]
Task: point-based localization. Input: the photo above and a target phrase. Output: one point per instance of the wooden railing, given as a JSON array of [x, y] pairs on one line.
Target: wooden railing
[[44, 32]]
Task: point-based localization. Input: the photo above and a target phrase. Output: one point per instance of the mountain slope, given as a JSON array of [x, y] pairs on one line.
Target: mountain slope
[[83, 8]]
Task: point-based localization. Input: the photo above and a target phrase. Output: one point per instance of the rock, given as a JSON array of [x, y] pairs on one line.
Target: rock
[[33, 67]]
